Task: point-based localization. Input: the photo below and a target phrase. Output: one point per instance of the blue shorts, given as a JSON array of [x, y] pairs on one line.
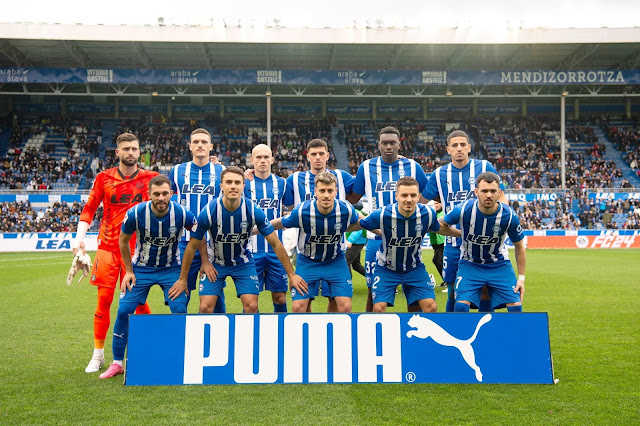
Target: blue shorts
[[244, 277], [370, 260], [416, 284], [271, 273], [334, 273], [194, 269], [499, 278], [450, 260], [147, 277]]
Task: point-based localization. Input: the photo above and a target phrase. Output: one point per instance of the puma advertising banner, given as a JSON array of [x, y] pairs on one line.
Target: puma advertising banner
[[339, 348]]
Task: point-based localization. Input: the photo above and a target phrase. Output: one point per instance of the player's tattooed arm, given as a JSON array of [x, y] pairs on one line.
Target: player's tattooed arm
[[129, 279]]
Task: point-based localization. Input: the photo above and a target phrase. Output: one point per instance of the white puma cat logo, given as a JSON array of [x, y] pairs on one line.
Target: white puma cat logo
[[427, 328]]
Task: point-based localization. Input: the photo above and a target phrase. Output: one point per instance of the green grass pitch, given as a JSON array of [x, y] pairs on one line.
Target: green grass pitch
[[592, 297]]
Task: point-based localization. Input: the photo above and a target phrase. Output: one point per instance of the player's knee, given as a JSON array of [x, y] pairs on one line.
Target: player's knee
[[205, 308], [344, 306], [379, 308], [279, 297], [429, 306], [250, 307]]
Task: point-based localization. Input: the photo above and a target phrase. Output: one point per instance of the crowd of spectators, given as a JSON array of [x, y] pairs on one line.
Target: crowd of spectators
[[22, 216], [626, 139], [525, 151], [32, 170]]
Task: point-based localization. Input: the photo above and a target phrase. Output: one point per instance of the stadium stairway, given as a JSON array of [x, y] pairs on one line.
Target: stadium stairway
[[109, 127], [614, 155], [5, 136], [341, 152]]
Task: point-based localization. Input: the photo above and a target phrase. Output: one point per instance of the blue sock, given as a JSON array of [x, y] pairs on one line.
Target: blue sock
[[121, 329], [220, 307], [451, 301], [462, 307], [485, 306], [277, 307], [514, 308]]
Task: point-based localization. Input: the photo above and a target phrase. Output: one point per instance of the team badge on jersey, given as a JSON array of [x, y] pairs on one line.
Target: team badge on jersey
[[275, 191], [472, 180], [337, 226], [496, 229], [401, 173], [173, 230], [418, 227], [244, 225], [213, 178]]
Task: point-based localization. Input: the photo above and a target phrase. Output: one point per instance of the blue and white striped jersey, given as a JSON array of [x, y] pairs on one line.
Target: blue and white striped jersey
[[301, 187], [483, 236], [195, 186], [454, 186], [267, 195], [230, 231], [321, 236], [376, 180], [401, 237], [158, 238]]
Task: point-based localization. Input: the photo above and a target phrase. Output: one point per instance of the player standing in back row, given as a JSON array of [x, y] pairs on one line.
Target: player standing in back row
[[196, 183], [118, 189], [453, 184], [376, 179]]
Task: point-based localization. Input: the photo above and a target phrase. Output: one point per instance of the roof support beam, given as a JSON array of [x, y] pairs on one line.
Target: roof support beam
[[393, 60], [142, 54], [456, 56], [577, 56], [515, 59], [332, 60], [207, 55], [77, 53], [631, 62], [16, 56]]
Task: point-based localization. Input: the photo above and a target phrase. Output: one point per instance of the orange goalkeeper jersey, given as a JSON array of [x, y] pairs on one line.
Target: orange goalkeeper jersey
[[117, 193]]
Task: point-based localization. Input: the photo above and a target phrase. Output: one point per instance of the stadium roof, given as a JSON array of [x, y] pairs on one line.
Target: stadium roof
[[214, 47]]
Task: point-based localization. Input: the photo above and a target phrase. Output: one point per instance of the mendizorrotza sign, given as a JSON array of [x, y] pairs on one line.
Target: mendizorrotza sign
[[339, 348]]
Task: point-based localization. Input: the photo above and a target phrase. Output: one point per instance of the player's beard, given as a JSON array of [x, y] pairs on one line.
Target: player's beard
[[129, 161], [161, 207]]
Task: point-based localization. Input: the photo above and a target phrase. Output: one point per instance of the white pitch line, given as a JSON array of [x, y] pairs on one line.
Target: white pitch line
[[31, 264], [37, 258]]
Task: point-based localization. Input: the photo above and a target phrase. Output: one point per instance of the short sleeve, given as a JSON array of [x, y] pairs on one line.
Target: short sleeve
[[453, 216], [129, 224], [292, 220], [515, 229], [203, 224], [372, 221], [358, 182]]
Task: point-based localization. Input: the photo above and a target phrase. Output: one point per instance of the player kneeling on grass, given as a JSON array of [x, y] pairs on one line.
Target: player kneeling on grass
[[485, 223], [158, 224], [322, 222], [230, 220], [399, 259]]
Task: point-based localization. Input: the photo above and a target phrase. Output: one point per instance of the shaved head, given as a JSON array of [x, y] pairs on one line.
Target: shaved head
[[260, 148]]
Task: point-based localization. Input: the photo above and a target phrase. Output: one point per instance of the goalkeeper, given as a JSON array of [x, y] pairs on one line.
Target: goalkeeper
[[118, 189]]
